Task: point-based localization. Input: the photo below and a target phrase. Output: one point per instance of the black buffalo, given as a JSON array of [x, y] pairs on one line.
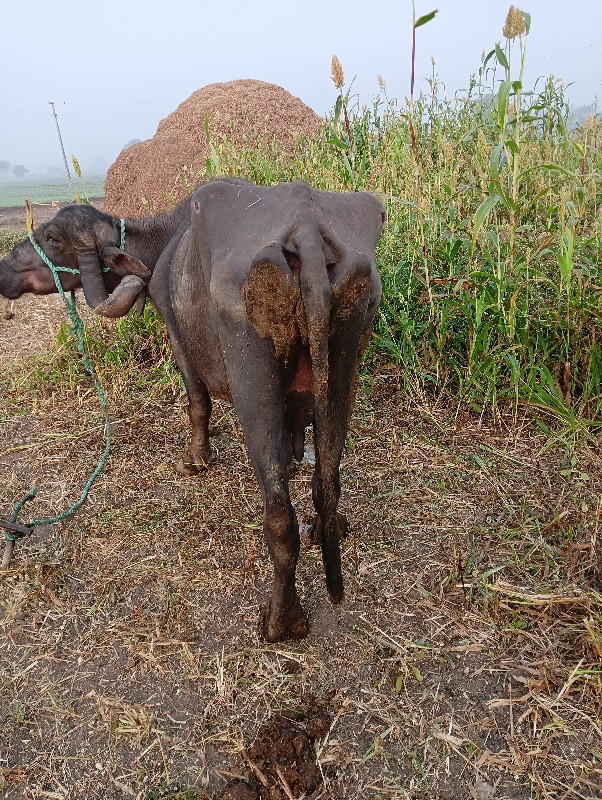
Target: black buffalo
[[268, 294]]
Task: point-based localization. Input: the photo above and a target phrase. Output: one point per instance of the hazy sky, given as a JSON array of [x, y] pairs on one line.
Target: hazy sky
[[115, 68]]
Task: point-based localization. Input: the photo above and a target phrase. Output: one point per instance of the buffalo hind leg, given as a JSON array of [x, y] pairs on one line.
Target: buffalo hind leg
[[317, 529], [284, 617], [256, 386], [349, 324], [197, 453], [330, 526]]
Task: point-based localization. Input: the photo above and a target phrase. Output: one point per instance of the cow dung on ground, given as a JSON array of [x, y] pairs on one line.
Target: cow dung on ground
[[146, 178]]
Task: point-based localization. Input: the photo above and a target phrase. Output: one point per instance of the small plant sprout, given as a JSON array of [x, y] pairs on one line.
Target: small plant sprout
[[79, 192], [416, 23]]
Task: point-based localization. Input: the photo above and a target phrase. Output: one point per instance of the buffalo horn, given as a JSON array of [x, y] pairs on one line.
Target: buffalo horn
[[90, 270], [122, 298]]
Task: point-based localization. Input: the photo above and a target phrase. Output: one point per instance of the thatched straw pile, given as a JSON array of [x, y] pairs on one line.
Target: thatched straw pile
[[146, 177]]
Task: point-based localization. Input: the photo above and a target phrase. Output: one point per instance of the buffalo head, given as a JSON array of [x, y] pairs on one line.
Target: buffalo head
[[86, 241]]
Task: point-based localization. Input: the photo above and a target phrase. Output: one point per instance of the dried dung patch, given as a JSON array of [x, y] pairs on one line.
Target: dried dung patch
[[272, 303], [146, 177], [283, 759]]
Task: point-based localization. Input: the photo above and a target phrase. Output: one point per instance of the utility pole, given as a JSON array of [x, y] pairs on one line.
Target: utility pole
[[58, 130]]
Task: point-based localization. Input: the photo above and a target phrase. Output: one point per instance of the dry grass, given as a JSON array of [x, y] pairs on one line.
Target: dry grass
[[465, 661]]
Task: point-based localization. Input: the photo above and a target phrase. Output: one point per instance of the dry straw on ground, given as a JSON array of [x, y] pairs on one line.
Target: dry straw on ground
[[146, 175], [465, 661]]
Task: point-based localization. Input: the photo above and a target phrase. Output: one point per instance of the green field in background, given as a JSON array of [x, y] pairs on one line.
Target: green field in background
[[45, 190]]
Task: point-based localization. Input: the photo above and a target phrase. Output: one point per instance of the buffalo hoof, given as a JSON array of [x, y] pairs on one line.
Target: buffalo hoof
[[186, 467], [192, 466], [291, 625]]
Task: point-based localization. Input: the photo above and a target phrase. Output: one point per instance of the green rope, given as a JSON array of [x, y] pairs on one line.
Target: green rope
[[78, 328], [50, 265], [12, 537]]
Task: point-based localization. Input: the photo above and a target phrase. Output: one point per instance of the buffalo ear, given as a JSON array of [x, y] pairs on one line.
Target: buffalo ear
[[122, 263]]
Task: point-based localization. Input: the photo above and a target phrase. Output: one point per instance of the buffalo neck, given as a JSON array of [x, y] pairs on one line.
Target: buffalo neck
[[147, 238]]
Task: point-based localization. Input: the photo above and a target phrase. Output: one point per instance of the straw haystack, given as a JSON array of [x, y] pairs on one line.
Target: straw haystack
[[145, 178]]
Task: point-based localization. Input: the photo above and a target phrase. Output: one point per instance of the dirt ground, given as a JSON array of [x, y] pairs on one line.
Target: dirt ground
[[464, 662], [13, 218]]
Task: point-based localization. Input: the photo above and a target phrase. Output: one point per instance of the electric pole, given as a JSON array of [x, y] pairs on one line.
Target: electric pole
[[58, 130]]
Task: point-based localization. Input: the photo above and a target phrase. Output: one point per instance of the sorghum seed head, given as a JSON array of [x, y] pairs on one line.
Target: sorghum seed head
[[336, 73], [515, 23]]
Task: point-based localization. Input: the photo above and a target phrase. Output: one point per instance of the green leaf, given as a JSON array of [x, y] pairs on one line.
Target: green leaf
[[268, 175], [480, 216], [501, 57], [338, 107], [476, 459], [579, 148], [336, 142], [417, 674], [555, 168], [505, 197], [488, 58], [494, 161], [468, 136], [511, 361], [513, 147], [483, 210], [527, 18], [502, 102], [565, 257], [426, 18]]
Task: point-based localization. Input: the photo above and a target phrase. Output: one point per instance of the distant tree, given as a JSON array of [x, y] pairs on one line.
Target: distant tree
[[130, 143], [19, 171], [581, 113], [4, 167]]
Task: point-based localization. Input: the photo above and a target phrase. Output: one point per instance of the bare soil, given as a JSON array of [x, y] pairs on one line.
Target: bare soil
[[464, 662], [14, 217]]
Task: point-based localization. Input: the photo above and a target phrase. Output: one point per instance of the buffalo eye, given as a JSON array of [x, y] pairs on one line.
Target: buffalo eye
[[51, 240]]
